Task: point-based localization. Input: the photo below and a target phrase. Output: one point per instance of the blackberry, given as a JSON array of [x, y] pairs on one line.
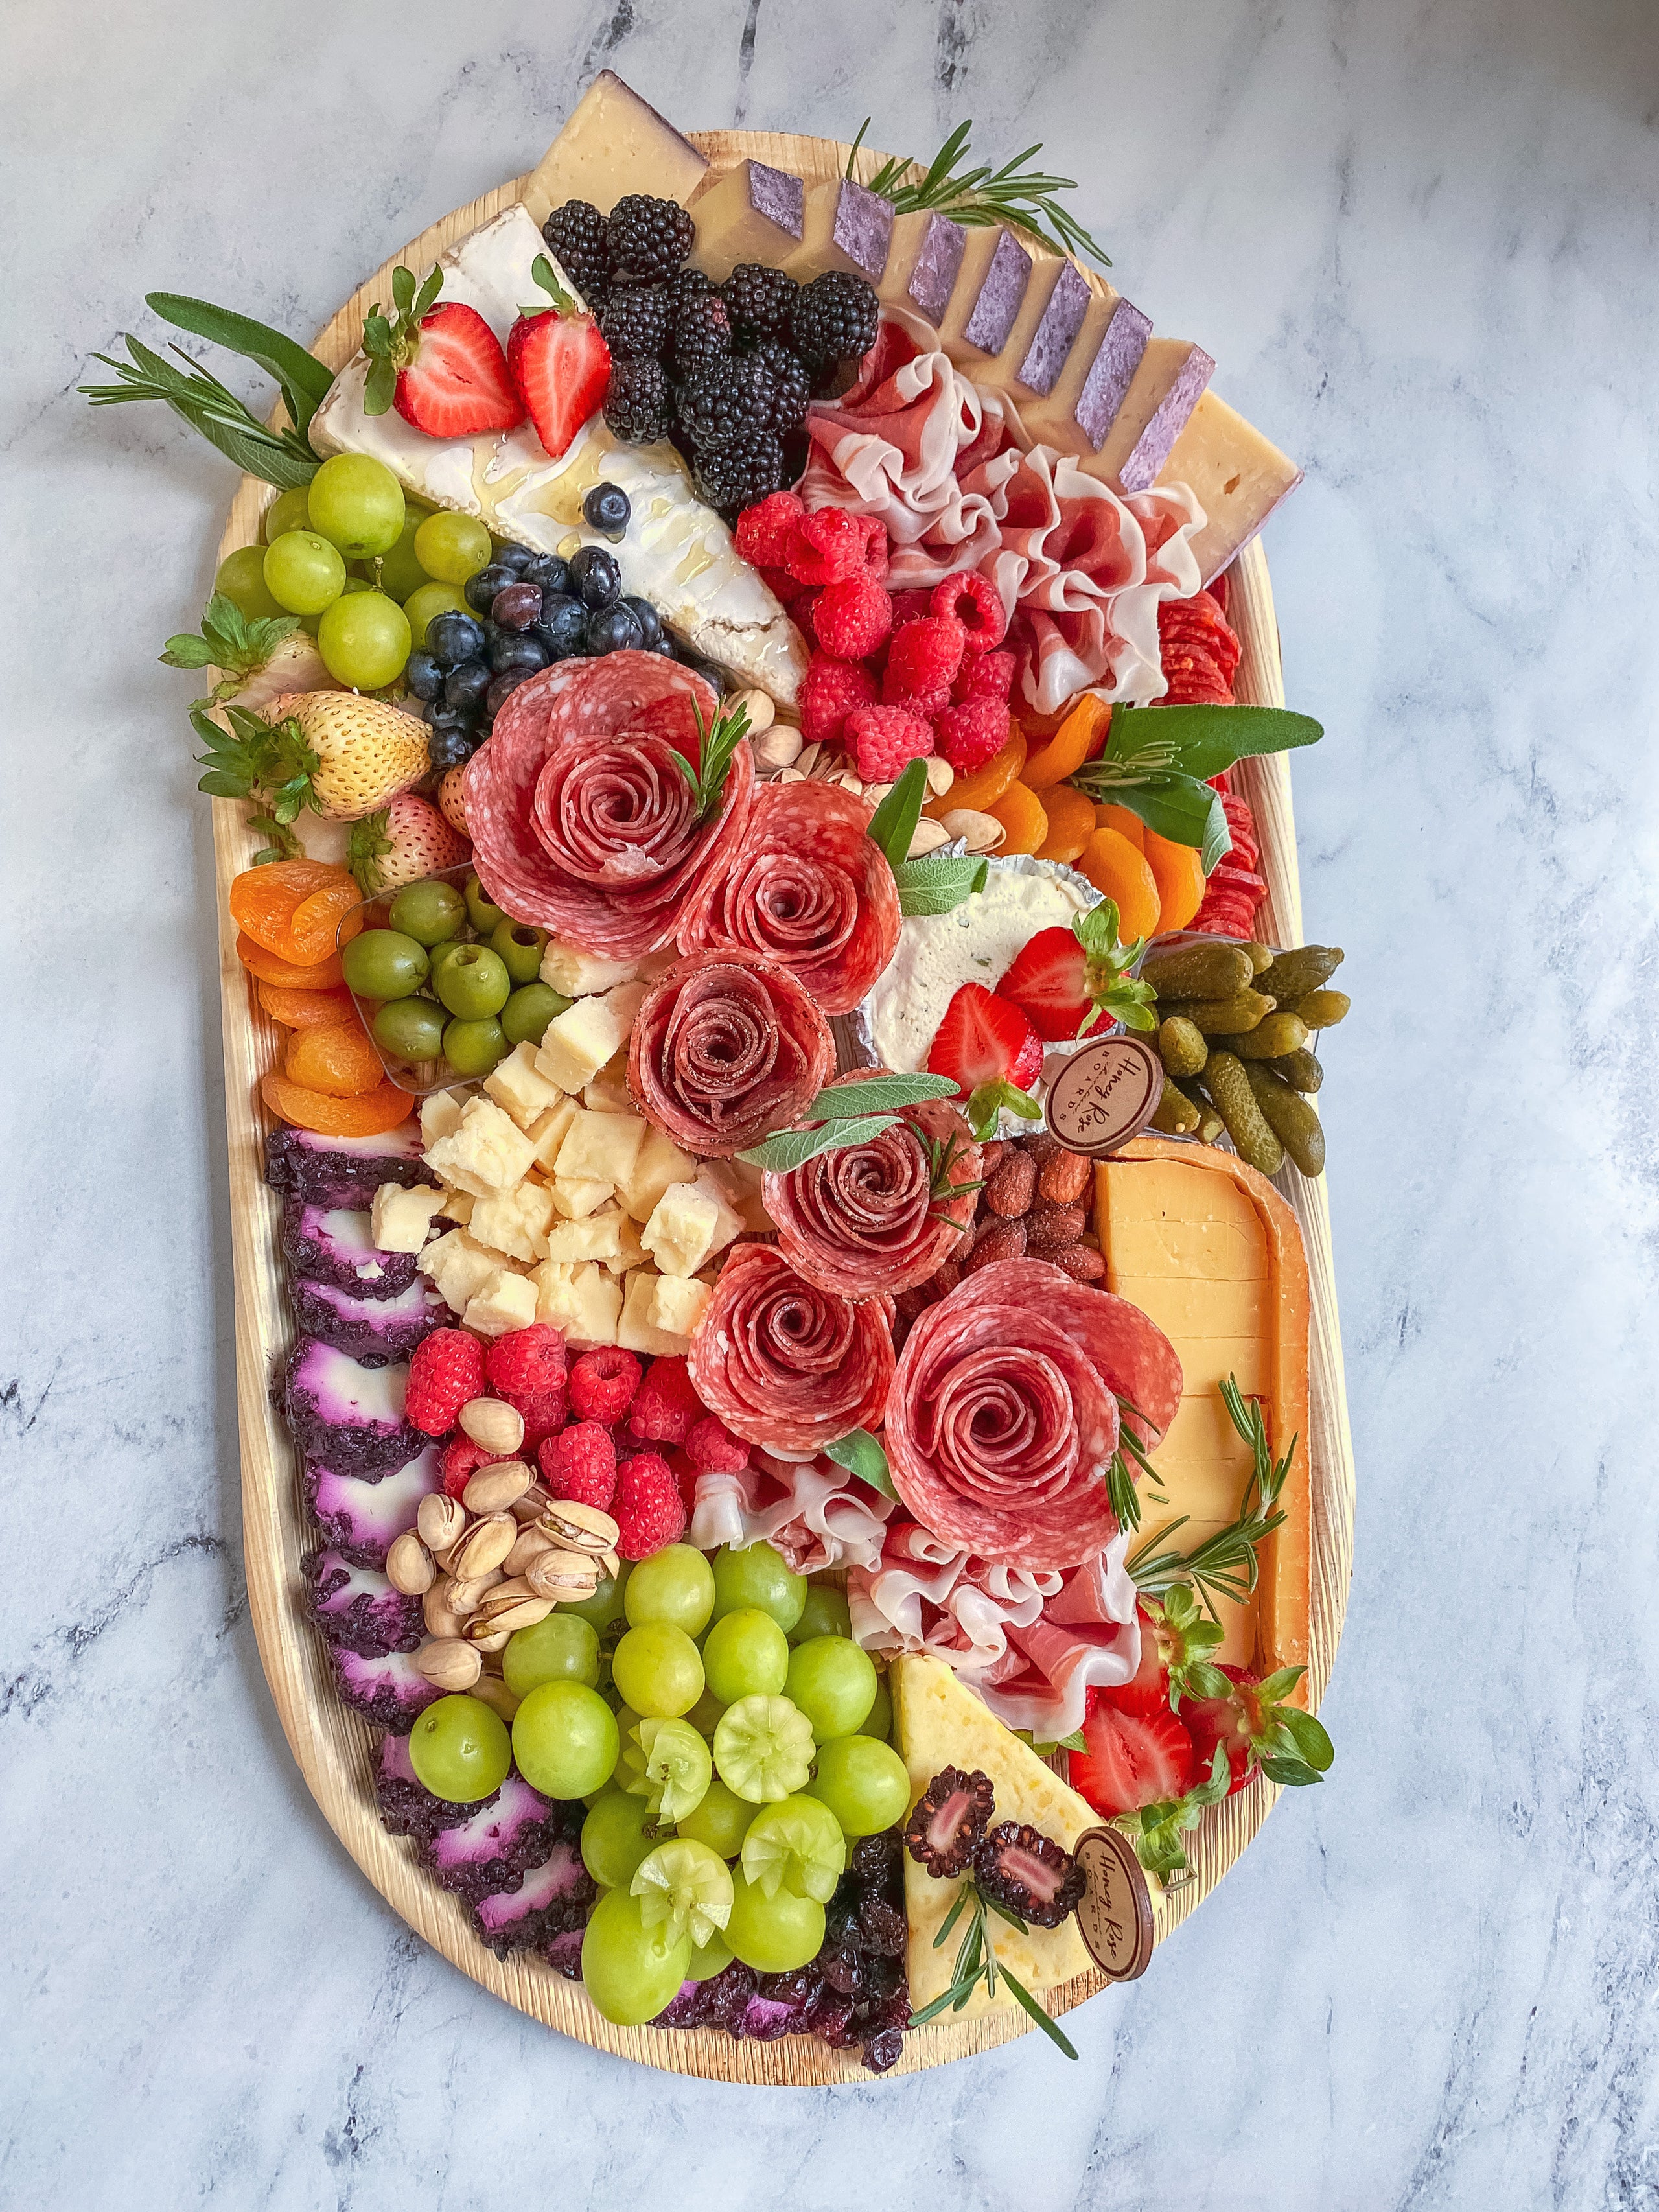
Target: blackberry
[[702, 332], [728, 400], [737, 476], [1029, 1873], [648, 238], [634, 321], [833, 318], [760, 300], [575, 234], [948, 1821], [792, 387], [636, 402]]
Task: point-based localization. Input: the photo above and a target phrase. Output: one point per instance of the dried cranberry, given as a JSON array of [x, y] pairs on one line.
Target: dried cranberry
[[883, 1928], [876, 1859], [882, 2051], [828, 2018], [798, 1987], [843, 1970]]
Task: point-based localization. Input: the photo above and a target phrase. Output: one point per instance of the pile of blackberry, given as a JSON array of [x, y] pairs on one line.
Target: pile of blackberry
[[724, 370]]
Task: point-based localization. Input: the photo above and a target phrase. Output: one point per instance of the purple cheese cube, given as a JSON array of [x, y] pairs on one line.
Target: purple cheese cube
[[1056, 333], [358, 1610], [1107, 385], [1151, 448], [777, 196], [375, 1331], [934, 276], [388, 1691], [551, 1899], [494, 1849], [308, 1166], [998, 306], [407, 1806], [349, 1417], [362, 1520], [332, 1244]]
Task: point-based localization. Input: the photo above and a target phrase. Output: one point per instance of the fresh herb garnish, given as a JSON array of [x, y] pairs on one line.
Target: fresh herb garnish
[[992, 1099], [270, 764], [1158, 761], [281, 457], [1293, 1749], [715, 747], [1187, 1638], [893, 824], [1116, 995], [942, 1154], [238, 643], [792, 1148], [304, 381], [1223, 1566], [845, 1114], [390, 342], [978, 198], [938, 883], [1155, 1830], [977, 1961], [562, 302], [878, 1094], [862, 1454]]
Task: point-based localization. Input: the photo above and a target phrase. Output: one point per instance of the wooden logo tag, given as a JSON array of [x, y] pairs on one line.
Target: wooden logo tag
[[1105, 1094], [1115, 1917]]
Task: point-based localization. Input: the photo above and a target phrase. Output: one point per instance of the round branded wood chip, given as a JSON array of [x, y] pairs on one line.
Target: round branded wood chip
[[1115, 1917], [1105, 1094]]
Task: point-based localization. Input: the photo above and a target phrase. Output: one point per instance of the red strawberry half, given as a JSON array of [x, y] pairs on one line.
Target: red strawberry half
[[442, 367], [1133, 1759], [559, 362], [1176, 1643], [985, 1038], [1050, 981]]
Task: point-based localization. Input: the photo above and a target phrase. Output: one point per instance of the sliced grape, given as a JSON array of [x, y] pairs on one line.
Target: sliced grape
[[796, 1845], [763, 1749], [666, 1762], [686, 1888]]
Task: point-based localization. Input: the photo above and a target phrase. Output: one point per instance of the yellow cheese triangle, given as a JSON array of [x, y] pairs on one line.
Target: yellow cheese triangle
[[937, 1723]]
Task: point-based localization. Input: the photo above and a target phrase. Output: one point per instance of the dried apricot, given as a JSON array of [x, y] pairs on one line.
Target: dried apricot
[[370, 1114], [263, 901], [1126, 825], [1021, 814], [1070, 823], [1179, 874], [341, 1060], [324, 975], [306, 1010], [1072, 744], [330, 917], [1112, 866], [986, 783]]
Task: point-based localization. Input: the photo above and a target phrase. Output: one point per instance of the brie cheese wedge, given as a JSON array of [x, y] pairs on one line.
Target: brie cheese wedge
[[678, 552]]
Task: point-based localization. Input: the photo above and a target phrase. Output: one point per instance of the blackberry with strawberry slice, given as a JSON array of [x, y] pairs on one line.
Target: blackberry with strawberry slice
[[987, 1046], [1019, 1867], [948, 1822], [1073, 982]]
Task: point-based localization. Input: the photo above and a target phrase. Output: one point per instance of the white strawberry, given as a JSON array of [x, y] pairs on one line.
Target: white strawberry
[[452, 799], [405, 841]]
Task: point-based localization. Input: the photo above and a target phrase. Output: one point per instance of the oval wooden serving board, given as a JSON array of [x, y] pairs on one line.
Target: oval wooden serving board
[[332, 1744]]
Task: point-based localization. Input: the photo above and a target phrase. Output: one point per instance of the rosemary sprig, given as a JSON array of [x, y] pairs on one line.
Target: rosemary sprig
[[942, 1154], [715, 747], [1223, 1566], [978, 197], [977, 1961], [281, 456]]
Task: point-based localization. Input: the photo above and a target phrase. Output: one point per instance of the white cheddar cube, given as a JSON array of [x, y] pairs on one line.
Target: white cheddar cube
[[546, 1132], [731, 1221], [607, 1093], [515, 1222], [598, 1237], [622, 1003], [577, 974], [578, 1042], [680, 1234], [485, 1152], [506, 1301], [660, 1164], [582, 1302], [398, 1219], [601, 1147], [631, 1252], [458, 1208], [440, 1114], [464, 1266], [635, 1331], [520, 1086], [678, 1303], [575, 1198]]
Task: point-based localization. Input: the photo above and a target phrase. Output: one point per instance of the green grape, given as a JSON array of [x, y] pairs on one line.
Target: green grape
[[878, 1720], [833, 1682], [364, 640], [357, 504], [453, 547], [565, 1740], [484, 916], [758, 1575], [795, 1845], [289, 510], [763, 1748], [474, 1047], [605, 1608], [428, 600], [351, 584], [521, 949], [303, 572], [667, 1763], [658, 1668], [675, 1584], [241, 577], [824, 1613], [863, 1782], [614, 1841], [473, 982], [408, 1028], [685, 1888], [772, 1934], [745, 1654], [430, 912], [401, 575], [526, 1014], [459, 1749], [630, 1971], [720, 1819], [557, 1650], [708, 1960], [705, 1715], [383, 964]]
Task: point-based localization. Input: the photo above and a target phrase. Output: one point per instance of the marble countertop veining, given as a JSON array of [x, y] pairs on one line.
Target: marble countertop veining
[[1421, 243]]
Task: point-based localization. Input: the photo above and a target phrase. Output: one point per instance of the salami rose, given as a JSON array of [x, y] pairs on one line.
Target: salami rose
[[1002, 1416], [727, 1048], [785, 1365], [880, 1216], [809, 889]]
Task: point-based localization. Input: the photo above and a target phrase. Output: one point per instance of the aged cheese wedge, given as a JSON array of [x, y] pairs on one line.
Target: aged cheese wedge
[[1236, 474], [613, 143], [755, 213], [846, 227], [677, 553], [937, 1723], [1074, 413], [924, 260], [1167, 386]]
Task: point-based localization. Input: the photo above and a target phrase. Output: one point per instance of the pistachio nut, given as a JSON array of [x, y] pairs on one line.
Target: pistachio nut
[[440, 1521], [484, 1545], [492, 1489], [493, 1424], [448, 1664], [578, 1527], [563, 1576], [409, 1565]]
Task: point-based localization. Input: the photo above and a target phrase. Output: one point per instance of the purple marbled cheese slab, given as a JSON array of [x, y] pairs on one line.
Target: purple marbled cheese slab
[[1152, 449], [863, 227], [1056, 333], [780, 198], [1000, 296], [1107, 385], [934, 276]]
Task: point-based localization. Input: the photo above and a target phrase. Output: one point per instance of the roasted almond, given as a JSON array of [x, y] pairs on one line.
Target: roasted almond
[[484, 1545], [1000, 1240], [1040, 1146], [1082, 1265], [1064, 1178], [992, 1155], [498, 1485], [440, 1521], [1010, 1190], [409, 1565], [448, 1664], [1049, 1226]]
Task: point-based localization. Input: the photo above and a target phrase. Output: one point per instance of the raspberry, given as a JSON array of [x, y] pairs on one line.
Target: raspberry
[[972, 600], [825, 547], [545, 1415], [911, 606], [603, 1383], [526, 1363], [984, 676], [853, 617], [447, 1369], [763, 531], [968, 736], [925, 655], [801, 606], [779, 581], [896, 692], [460, 1461], [666, 1405], [648, 1508], [713, 1449], [829, 693], [875, 548], [882, 739], [684, 1471], [580, 1462]]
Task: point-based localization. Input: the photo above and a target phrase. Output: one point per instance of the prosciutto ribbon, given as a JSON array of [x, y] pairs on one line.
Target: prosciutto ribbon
[[813, 1511]]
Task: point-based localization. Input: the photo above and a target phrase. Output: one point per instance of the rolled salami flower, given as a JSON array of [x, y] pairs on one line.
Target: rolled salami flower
[[727, 1048], [787, 1365]]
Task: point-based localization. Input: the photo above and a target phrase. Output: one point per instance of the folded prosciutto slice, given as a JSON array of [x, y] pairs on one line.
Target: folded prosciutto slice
[[787, 1365], [808, 889], [725, 1048], [1004, 1413], [813, 1511]]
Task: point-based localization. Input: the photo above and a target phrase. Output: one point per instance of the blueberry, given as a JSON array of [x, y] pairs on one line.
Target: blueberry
[[550, 572], [664, 646], [710, 675], [645, 615], [448, 749], [518, 558], [606, 507], [481, 589], [613, 629], [595, 575], [425, 677], [518, 649], [463, 687], [517, 605], [563, 625], [502, 686], [450, 639]]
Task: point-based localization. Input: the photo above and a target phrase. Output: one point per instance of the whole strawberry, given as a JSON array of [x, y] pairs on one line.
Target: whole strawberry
[[365, 751], [405, 841], [446, 1369]]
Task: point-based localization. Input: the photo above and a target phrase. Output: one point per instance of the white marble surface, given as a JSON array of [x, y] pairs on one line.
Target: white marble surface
[[1421, 242]]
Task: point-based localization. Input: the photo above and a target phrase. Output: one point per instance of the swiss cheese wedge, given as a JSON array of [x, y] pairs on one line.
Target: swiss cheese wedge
[[937, 1723]]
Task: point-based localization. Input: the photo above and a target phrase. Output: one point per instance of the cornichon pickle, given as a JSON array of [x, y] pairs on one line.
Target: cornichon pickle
[[1301, 1070], [1222, 1016], [1293, 975], [1176, 1115], [1181, 1045], [1199, 971], [1229, 1087], [1290, 1118], [1260, 956], [1210, 1124], [1322, 1010], [1274, 1035]]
